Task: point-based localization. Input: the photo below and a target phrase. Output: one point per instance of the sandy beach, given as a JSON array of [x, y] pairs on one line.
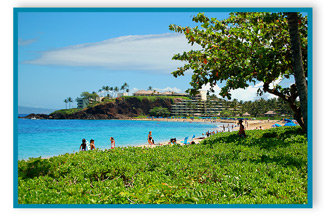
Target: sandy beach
[[248, 125]]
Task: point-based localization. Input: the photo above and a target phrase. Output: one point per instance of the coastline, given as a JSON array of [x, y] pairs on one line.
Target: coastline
[[252, 124]]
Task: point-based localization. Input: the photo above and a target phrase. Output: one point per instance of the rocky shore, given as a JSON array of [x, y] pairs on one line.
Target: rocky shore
[[122, 108]]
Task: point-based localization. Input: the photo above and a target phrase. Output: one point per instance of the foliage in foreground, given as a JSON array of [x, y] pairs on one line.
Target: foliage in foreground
[[246, 47], [268, 167]]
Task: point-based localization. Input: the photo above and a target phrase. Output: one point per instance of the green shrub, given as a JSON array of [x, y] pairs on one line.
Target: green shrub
[[224, 169], [160, 111], [66, 111]]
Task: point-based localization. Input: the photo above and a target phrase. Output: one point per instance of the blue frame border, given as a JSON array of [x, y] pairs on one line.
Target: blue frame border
[[308, 10]]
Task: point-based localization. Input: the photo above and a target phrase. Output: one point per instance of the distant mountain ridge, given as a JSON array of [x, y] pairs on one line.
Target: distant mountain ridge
[[29, 110]]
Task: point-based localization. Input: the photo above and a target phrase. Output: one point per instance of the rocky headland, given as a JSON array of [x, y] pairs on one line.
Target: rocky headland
[[121, 108]]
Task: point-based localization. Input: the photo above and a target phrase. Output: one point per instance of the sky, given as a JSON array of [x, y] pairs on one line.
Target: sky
[[62, 54]]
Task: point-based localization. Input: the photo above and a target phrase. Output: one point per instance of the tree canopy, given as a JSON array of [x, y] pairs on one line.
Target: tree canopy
[[159, 111], [243, 49]]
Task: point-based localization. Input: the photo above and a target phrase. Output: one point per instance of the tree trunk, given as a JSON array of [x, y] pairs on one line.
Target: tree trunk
[[298, 65], [291, 100]]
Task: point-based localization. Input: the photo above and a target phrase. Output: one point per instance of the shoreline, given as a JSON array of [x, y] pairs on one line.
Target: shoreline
[[252, 124]]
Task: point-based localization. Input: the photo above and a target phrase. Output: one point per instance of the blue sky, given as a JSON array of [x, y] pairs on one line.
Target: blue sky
[[62, 54]]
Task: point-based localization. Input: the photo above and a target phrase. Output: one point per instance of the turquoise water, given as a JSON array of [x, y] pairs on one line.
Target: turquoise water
[[47, 138]]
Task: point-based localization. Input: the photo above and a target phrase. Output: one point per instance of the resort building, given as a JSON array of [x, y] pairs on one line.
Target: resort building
[[201, 96], [270, 114], [246, 114], [84, 102], [197, 105], [122, 94], [197, 108], [156, 93]]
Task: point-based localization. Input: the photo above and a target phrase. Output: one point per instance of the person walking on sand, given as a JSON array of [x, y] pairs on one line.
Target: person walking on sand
[[112, 142], [150, 138], [83, 145], [92, 146], [241, 132]]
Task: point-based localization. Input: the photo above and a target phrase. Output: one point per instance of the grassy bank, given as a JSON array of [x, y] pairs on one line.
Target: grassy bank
[[268, 166], [66, 111]]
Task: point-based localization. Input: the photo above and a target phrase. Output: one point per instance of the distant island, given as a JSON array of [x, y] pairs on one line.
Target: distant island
[[29, 110]]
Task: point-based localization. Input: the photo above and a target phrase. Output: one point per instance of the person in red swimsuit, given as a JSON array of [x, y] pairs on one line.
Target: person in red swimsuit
[[112, 142]]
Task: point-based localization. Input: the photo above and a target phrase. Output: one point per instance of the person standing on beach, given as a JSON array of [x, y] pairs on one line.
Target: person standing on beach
[[83, 145], [92, 146], [112, 142], [150, 138], [241, 132]]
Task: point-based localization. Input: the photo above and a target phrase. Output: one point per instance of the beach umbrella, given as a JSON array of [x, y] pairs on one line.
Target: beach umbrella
[[276, 125], [290, 124]]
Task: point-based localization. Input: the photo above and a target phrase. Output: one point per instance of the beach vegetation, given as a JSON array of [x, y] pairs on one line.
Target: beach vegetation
[[70, 100], [66, 102], [160, 112], [266, 167], [225, 113], [66, 111], [248, 48]]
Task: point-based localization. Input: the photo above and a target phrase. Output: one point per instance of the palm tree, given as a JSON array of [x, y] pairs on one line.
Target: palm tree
[[103, 88], [70, 100], [107, 89], [124, 87], [111, 89], [116, 89], [150, 88], [100, 92], [65, 101], [94, 96]]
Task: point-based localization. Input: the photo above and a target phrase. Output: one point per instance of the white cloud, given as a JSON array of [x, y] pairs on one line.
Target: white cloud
[[22, 42], [247, 94], [174, 89], [134, 52], [132, 91], [171, 89], [216, 88], [250, 94]]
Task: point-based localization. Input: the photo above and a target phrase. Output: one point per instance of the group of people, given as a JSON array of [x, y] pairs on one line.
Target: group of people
[[228, 128], [84, 146], [210, 133]]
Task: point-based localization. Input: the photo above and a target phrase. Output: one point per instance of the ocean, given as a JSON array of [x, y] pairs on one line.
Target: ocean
[[48, 138]]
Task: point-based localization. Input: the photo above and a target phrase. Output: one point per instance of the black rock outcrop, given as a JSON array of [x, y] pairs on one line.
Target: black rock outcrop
[[121, 108]]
